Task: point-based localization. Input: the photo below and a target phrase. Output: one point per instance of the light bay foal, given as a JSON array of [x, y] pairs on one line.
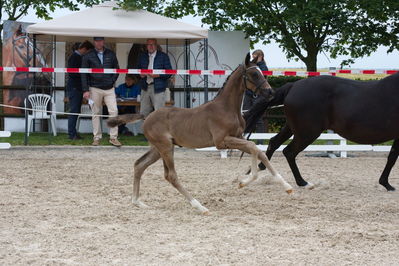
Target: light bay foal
[[216, 123]]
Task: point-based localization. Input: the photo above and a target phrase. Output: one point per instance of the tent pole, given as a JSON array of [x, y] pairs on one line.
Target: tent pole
[[206, 99], [31, 85], [187, 78]]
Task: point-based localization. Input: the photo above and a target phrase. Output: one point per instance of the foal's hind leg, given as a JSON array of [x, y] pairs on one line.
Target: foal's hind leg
[[140, 165], [250, 147], [274, 143], [392, 157], [166, 152]]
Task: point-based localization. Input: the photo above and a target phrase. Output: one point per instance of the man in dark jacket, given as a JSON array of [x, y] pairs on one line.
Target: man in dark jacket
[[153, 85], [99, 87], [249, 97], [74, 86]]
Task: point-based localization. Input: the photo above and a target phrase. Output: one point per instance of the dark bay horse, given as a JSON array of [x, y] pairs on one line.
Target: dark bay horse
[[365, 112], [216, 123]]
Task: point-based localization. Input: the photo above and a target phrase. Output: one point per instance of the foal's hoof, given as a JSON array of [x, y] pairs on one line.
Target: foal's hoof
[[246, 181], [197, 205], [140, 204], [206, 213]]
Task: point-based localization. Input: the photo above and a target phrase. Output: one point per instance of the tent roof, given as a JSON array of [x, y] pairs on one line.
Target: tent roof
[[118, 25]]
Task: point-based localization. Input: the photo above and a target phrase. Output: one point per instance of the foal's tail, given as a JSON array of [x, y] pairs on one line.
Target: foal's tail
[[123, 119], [261, 104]]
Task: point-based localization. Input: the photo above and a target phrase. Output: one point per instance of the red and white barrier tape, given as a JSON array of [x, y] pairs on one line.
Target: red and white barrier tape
[[185, 72], [53, 112]]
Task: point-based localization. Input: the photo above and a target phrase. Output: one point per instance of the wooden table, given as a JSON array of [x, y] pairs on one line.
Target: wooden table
[[136, 103]]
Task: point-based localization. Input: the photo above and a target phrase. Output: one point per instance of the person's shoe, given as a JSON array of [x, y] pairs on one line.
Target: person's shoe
[[96, 142], [76, 137], [115, 142], [127, 133]]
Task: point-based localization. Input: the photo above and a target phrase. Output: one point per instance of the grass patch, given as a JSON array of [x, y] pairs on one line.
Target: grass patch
[[40, 139], [43, 139]]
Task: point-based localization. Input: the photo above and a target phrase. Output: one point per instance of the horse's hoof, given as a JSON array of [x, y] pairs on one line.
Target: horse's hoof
[[241, 185], [309, 186], [289, 191]]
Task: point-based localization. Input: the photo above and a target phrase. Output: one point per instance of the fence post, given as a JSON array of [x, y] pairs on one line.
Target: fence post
[[343, 154]]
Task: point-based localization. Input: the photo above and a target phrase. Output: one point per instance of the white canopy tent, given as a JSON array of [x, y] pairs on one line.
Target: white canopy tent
[[117, 25], [120, 26]]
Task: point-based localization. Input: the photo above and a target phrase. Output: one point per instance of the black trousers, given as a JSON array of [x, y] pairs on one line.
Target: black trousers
[[75, 103]]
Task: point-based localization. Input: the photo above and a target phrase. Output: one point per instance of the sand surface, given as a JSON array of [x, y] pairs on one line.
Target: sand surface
[[72, 206]]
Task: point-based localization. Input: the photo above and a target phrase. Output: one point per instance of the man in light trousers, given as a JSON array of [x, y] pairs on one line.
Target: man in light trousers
[[99, 88]]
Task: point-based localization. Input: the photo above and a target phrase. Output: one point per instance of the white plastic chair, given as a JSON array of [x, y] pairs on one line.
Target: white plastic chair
[[39, 102], [84, 109]]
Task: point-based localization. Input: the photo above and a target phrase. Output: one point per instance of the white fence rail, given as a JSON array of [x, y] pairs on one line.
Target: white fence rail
[[343, 147], [5, 134]]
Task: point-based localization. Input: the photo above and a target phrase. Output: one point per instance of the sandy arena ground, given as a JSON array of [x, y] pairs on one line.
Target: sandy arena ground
[[72, 206]]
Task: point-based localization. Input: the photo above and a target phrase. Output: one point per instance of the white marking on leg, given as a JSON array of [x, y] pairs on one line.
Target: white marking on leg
[[254, 173], [139, 204], [309, 186], [196, 204], [287, 187]]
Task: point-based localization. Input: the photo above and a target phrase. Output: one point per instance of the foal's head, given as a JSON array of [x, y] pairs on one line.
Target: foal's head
[[254, 79]]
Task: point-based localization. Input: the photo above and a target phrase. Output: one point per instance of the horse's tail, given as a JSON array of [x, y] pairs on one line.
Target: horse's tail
[[262, 103], [123, 119]]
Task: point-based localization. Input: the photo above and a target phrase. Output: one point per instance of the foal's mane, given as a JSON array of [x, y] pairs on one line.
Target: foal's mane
[[225, 82]]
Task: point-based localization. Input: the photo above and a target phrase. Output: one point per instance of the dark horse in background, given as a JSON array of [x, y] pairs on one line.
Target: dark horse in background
[[365, 112]]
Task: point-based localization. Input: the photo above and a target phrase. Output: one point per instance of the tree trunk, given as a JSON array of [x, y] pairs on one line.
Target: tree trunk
[[311, 61]]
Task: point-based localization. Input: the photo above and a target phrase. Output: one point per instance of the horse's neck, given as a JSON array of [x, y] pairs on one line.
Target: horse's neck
[[233, 92]]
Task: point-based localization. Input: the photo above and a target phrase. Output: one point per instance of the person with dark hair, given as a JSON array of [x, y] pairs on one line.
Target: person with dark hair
[[129, 89], [74, 86], [249, 97], [99, 88]]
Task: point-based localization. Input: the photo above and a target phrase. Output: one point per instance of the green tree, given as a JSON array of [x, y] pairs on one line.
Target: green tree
[[302, 28]]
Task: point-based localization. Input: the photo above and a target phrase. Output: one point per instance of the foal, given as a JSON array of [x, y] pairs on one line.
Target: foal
[[216, 123]]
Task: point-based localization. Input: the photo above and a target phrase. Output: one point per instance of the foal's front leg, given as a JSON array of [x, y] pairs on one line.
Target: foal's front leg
[[250, 147]]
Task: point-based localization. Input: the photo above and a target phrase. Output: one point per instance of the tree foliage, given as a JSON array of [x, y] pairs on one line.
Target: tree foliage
[[302, 28], [16, 9]]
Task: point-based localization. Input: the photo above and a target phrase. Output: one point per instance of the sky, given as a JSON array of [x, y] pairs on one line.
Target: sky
[[274, 55]]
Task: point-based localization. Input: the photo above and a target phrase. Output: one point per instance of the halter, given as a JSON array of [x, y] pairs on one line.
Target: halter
[[246, 78]]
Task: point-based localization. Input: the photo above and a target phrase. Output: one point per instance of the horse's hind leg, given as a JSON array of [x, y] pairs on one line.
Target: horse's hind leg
[[275, 142], [171, 177], [140, 165], [392, 157], [290, 152]]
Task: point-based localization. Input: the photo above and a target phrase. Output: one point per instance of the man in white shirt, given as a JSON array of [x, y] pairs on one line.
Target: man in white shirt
[[153, 85]]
